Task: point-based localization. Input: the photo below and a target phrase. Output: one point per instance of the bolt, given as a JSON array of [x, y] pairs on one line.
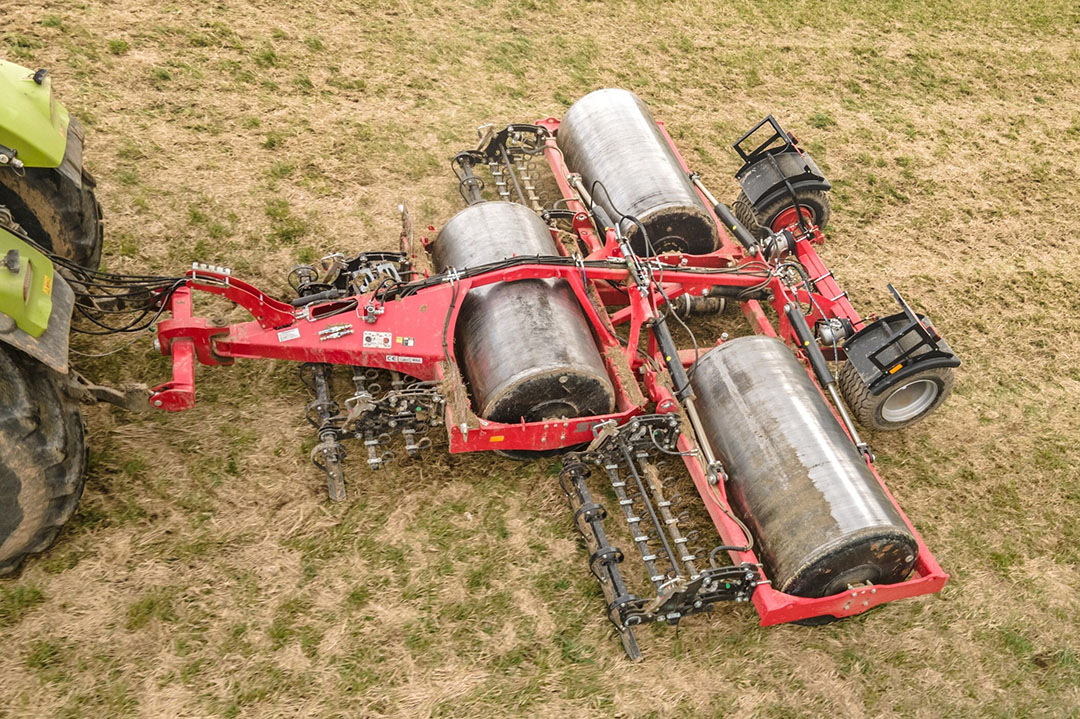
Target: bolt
[[158, 403], [11, 261], [564, 379], [157, 345], [218, 322], [723, 336]]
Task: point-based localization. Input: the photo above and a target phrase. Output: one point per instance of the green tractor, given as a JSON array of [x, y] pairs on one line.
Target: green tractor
[[49, 218]]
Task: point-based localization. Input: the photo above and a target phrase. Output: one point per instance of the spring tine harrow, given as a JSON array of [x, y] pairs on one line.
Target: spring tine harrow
[[628, 456]]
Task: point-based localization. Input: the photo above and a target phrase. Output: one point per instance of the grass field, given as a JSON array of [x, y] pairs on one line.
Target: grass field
[[205, 573]]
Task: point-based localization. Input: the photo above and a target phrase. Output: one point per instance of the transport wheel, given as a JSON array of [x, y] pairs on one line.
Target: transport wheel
[[63, 216], [903, 404], [42, 457], [780, 213]]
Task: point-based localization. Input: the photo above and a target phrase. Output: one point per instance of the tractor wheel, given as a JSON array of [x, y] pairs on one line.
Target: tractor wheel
[[42, 457], [903, 404], [63, 216], [780, 213]]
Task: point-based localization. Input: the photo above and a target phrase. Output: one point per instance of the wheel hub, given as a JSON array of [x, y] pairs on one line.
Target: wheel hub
[[788, 217], [910, 400]]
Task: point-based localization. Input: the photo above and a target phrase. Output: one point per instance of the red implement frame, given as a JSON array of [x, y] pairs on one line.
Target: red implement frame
[[413, 335]]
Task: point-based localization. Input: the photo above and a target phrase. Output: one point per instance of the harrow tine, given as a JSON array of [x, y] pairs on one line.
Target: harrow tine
[[625, 453], [640, 537], [329, 453], [629, 643]]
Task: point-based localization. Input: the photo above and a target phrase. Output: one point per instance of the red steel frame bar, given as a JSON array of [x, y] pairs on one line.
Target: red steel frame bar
[[413, 335]]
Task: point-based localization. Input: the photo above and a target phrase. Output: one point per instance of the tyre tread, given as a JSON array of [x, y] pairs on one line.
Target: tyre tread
[[55, 446]]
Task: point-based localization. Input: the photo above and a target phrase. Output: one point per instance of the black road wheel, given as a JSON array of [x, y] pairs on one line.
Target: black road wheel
[[901, 405], [780, 213], [42, 457]]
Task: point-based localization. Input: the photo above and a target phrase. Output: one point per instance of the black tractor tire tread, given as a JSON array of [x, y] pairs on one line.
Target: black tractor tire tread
[[43, 457], [56, 213], [756, 221], [864, 405]]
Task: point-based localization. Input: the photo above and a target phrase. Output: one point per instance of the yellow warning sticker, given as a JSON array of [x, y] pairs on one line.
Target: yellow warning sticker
[[46, 285]]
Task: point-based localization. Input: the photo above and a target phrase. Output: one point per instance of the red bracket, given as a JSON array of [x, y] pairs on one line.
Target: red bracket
[[179, 393]]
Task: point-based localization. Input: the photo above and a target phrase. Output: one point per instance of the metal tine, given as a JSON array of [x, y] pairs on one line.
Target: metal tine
[[329, 454], [525, 173], [635, 521], [500, 182], [637, 467], [666, 524], [671, 523]]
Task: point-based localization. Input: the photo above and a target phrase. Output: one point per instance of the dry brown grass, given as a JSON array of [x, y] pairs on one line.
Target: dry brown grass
[[206, 575]]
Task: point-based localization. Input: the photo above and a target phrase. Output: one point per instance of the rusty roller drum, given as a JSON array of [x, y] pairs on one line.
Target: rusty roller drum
[[610, 135], [821, 519], [525, 347]]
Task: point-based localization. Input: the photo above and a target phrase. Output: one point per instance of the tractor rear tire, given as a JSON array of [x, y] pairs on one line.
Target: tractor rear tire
[[55, 212], [760, 221], [925, 393], [43, 456]]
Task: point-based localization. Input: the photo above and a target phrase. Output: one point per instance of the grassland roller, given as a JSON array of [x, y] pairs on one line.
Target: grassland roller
[[538, 321]]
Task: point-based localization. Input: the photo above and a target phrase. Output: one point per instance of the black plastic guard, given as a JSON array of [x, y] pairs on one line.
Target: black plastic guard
[[892, 349], [764, 179], [779, 160]]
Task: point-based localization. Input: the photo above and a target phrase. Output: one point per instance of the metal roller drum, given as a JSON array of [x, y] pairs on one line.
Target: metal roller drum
[[525, 347], [611, 137], [821, 519]]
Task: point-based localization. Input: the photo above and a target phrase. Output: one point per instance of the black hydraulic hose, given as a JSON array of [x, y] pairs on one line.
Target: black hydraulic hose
[[732, 223], [331, 294], [670, 352], [807, 342]]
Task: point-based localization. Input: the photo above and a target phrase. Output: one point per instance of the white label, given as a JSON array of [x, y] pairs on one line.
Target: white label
[[378, 340], [401, 358], [286, 335]]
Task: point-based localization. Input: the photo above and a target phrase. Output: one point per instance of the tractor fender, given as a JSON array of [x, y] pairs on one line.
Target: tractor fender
[[35, 303], [32, 122]]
